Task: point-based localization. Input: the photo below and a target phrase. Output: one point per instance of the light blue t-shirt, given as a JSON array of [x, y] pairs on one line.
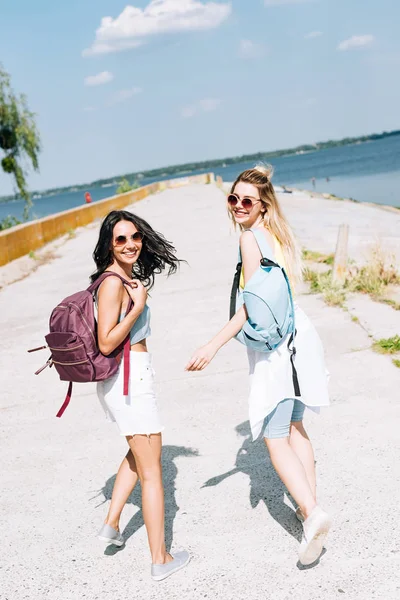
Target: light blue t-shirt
[[141, 328]]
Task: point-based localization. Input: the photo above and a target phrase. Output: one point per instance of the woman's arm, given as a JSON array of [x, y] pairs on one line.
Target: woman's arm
[[251, 259], [110, 332], [204, 355]]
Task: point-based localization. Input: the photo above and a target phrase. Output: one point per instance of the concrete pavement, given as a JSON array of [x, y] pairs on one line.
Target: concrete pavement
[[224, 501]]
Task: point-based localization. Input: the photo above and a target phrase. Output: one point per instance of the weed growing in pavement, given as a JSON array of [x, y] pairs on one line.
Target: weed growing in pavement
[[387, 345]]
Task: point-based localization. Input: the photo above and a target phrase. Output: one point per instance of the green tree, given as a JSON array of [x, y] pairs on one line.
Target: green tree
[[19, 137], [126, 186]]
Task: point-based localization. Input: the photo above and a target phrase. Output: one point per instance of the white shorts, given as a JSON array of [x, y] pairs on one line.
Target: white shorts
[[136, 413]]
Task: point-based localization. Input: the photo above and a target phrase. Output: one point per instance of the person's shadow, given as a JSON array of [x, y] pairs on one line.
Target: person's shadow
[[265, 486], [170, 471]]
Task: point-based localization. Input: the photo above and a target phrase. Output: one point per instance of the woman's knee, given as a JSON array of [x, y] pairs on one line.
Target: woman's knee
[[146, 451]]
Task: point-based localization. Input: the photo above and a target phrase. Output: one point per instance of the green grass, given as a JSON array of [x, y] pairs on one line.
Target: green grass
[[396, 362], [392, 303], [312, 256], [355, 319], [387, 345], [321, 283], [372, 278]]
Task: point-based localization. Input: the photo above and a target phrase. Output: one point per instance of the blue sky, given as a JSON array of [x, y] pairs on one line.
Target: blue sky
[[173, 81]]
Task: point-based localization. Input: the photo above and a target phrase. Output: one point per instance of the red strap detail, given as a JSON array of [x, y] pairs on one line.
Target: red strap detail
[[127, 349], [66, 401]]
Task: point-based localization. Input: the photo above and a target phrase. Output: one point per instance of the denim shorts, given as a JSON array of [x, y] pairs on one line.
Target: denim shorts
[[277, 423]]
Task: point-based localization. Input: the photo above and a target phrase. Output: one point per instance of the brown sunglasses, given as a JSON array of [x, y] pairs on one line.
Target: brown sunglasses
[[245, 202], [121, 240]]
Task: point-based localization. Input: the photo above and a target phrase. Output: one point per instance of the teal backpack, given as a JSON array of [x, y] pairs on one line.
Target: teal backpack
[[269, 305]]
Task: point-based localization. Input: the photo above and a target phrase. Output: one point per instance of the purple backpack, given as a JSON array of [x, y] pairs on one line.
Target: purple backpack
[[73, 342]]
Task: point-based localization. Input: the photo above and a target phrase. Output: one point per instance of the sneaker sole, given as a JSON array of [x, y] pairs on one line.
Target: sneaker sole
[[110, 541], [161, 577], [314, 547]]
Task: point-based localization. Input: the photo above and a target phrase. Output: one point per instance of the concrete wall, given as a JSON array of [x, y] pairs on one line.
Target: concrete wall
[[22, 239]]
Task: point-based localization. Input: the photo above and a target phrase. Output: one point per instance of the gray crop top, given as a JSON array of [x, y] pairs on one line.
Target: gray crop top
[[141, 328]]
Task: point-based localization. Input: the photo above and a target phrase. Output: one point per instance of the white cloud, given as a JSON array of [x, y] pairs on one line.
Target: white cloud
[[249, 49], [133, 25], [99, 79], [124, 95], [313, 34], [89, 108], [188, 112], [204, 105], [356, 41], [282, 2], [209, 104]]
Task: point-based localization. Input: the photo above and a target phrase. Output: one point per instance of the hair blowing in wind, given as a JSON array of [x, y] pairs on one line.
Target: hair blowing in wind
[[157, 253], [275, 221]]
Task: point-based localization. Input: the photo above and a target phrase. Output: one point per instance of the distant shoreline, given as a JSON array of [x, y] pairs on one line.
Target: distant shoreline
[[181, 170]]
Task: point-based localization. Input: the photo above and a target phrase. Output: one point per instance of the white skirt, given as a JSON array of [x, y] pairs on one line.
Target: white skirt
[[271, 374], [136, 413]]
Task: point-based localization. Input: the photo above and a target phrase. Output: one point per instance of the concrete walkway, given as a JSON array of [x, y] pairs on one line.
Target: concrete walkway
[[224, 501]]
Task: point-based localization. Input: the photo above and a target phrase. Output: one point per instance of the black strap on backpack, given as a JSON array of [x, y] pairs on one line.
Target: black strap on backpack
[[292, 351], [234, 291]]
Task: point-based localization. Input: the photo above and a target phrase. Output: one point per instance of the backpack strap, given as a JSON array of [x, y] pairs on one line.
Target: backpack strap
[[266, 253], [66, 401], [235, 289], [265, 248], [126, 344]]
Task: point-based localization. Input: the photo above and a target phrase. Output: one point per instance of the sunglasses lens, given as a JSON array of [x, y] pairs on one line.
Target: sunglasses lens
[[247, 203], [138, 236], [120, 240], [232, 200]]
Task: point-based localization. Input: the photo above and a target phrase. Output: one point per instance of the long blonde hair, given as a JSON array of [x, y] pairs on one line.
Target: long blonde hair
[[274, 220]]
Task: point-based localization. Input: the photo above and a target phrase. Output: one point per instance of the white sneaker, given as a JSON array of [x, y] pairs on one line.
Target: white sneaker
[[179, 560], [315, 530], [109, 535]]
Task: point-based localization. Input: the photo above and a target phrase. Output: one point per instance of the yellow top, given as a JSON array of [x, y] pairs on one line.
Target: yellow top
[[280, 259]]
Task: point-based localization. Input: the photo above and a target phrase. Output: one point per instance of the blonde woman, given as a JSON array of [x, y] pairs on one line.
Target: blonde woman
[[274, 410]]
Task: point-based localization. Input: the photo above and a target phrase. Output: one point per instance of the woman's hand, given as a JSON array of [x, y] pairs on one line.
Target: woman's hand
[[137, 292], [201, 358]]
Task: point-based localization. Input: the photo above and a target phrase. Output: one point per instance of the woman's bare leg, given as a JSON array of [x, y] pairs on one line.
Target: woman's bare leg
[[147, 453], [301, 444], [291, 472], [126, 479]]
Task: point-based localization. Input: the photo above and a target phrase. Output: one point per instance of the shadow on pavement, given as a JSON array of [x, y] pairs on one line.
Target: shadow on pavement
[[170, 471], [265, 485]]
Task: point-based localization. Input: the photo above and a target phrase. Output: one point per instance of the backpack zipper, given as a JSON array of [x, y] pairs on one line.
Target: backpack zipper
[[82, 316], [66, 364], [66, 349]]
